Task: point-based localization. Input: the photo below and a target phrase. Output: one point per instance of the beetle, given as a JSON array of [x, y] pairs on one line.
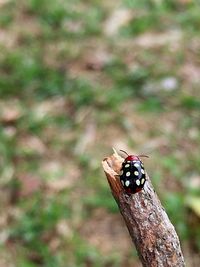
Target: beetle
[[132, 173]]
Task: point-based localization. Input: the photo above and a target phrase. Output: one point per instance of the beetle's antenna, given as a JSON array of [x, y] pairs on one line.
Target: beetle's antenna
[[143, 156], [124, 152]]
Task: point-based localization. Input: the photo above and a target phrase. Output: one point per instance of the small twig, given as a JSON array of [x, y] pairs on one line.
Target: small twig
[[148, 224]]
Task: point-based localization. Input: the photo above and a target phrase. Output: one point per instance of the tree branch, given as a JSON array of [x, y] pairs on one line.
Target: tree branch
[[148, 224]]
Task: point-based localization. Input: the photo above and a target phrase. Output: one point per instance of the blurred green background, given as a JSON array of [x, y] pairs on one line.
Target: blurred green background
[[76, 79]]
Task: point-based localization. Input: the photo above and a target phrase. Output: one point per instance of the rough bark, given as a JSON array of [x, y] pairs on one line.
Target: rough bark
[[151, 231]]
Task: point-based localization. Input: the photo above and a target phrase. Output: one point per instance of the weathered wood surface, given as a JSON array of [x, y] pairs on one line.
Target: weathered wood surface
[[148, 224]]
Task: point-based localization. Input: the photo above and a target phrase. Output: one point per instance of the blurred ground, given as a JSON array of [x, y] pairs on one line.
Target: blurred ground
[[76, 79]]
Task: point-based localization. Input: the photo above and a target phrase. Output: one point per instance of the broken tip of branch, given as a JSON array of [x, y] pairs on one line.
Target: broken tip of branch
[[112, 166]]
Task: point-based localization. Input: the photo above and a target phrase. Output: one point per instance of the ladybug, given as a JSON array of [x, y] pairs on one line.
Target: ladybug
[[132, 173]]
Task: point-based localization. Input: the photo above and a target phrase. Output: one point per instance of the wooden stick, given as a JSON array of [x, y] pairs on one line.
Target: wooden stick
[[148, 224]]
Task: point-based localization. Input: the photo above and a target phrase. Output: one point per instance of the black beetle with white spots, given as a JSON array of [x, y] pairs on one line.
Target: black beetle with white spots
[[132, 174]]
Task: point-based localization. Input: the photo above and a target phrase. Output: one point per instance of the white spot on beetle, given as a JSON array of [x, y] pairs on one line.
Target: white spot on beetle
[[137, 165], [127, 183], [137, 182], [128, 161], [127, 165], [128, 174], [136, 173], [142, 171], [142, 181]]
